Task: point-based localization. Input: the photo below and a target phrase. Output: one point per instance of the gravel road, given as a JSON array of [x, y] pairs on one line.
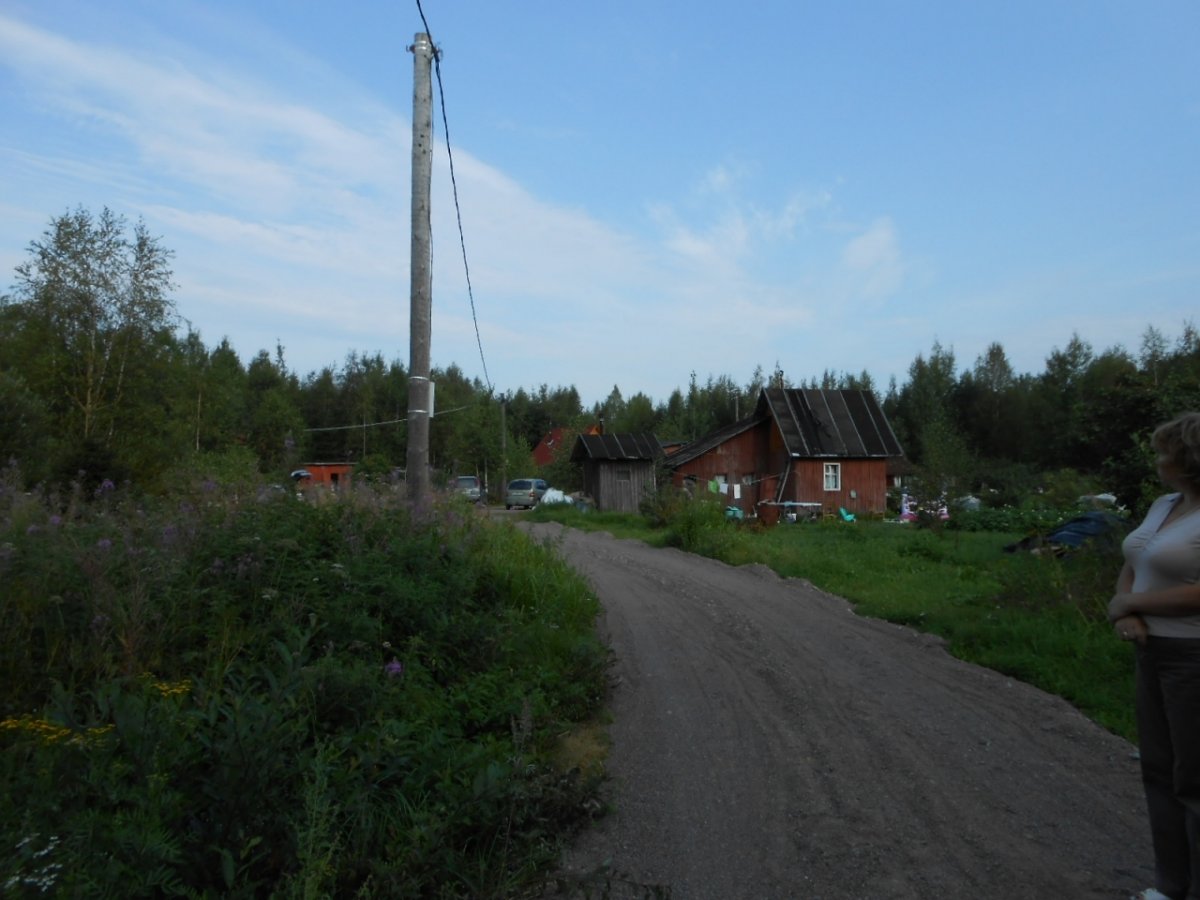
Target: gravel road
[[769, 743]]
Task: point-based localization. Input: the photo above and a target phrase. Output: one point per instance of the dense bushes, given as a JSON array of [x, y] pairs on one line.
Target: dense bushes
[[237, 696]]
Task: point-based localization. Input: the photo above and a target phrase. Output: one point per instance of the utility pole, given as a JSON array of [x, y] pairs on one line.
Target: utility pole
[[419, 393], [503, 445]]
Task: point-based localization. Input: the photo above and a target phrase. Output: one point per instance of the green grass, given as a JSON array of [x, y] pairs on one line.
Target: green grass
[[1037, 618]]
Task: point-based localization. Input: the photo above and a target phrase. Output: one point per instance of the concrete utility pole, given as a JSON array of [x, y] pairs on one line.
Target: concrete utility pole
[[419, 393]]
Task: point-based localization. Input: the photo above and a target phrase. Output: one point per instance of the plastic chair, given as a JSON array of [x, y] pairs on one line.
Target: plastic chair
[[847, 516]]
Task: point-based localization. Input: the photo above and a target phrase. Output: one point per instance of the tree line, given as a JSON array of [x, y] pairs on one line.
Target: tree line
[[99, 381]]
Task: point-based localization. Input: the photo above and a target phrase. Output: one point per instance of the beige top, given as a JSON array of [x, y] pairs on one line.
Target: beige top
[[1165, 557]]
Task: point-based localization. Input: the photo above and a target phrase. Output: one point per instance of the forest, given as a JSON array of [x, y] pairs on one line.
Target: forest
[[100, 379]]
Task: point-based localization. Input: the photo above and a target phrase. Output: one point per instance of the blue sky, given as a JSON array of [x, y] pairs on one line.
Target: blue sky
[[647, 189]]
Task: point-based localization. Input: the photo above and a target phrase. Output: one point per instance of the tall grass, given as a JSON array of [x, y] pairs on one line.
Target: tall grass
[[1039, 618], [239, 694]]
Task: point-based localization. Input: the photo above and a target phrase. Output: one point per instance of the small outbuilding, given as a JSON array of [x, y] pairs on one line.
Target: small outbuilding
[[331, 475], [618, 469]]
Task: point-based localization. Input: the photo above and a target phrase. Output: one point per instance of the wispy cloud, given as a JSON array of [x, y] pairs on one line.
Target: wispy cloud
[[873, 260], [292, 219]]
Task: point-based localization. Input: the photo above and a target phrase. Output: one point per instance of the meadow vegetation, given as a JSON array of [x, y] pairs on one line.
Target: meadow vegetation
[[230, 692], [1040, 618]]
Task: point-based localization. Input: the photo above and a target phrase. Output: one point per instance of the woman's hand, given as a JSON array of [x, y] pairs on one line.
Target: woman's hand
[[1131, 628]]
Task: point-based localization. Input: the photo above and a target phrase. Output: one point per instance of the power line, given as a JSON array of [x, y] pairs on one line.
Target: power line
[[442, 412], [437, 68]]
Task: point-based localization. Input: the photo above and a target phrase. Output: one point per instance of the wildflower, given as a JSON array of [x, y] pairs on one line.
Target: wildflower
[[394, 669], [106, 487], [104, 544], [32, 529], [56, 521], [208, 486]]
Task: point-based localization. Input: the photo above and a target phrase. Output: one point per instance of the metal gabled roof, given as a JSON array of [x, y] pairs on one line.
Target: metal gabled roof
[[642, 445], [702, 445], [816, 423]]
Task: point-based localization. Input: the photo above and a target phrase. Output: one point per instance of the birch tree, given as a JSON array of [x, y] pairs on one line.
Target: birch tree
[[96, 297]]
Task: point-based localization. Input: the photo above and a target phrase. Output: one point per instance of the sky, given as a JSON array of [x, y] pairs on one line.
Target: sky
[[647, 190]]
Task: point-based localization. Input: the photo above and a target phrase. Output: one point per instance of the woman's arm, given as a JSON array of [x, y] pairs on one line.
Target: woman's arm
[[1181, 600], [1125, 579]]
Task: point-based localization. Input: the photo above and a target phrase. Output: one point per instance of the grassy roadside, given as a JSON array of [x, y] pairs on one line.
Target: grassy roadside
[[230, 692], [1037, 618]]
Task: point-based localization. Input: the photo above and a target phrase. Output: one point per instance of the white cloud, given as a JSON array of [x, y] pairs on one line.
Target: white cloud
[[873, 261]]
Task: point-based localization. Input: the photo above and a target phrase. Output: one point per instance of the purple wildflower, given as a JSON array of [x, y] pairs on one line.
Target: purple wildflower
[[394, 669], [33, 529], [56, 521], [104, 544]]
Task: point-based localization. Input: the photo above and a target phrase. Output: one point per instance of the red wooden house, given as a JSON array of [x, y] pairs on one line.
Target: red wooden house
[[554, 440], [811, 452]]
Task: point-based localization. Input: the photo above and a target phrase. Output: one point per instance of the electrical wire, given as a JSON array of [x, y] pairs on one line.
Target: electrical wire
[[442, 412]]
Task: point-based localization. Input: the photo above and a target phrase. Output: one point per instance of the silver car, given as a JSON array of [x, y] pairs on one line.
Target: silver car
[[470, 487], [524, 492]]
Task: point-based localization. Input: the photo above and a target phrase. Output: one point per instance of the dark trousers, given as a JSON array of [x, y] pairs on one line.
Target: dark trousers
[[1168, 715]]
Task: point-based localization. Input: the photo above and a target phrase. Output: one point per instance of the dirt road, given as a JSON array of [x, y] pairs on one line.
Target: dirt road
[[769, 743]]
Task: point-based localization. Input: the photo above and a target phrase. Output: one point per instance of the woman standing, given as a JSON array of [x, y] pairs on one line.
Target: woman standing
[[1157, 605]]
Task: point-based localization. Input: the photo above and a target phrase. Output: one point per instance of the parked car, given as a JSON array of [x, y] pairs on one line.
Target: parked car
[[470, 487], [524, 492]]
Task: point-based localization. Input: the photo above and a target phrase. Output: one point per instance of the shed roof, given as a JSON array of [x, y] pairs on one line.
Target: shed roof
[[842, 423], [641, 445], [702, 445]]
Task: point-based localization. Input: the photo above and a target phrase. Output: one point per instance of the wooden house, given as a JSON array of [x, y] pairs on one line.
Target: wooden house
[[618, 469], [807, 452], [552, 441]]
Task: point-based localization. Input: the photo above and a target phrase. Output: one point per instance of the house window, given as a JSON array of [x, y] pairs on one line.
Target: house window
[[624, 473], [833, 476]]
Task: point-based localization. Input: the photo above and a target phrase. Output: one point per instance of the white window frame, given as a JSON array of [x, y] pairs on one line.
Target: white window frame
[[833, 476]]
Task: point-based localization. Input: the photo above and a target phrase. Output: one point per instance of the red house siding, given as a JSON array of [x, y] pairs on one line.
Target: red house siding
[[863, 489]]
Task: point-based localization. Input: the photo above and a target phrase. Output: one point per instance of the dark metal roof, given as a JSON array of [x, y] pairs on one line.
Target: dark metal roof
[[843, 423], [643, 445], [700, 446]]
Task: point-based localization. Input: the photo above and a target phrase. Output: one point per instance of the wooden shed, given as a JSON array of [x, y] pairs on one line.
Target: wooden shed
[[331, 475], [811, 452], [618, 469]]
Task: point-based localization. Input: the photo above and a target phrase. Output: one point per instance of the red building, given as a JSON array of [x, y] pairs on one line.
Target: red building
[[333, 476], [817, 451], [553, 441]]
